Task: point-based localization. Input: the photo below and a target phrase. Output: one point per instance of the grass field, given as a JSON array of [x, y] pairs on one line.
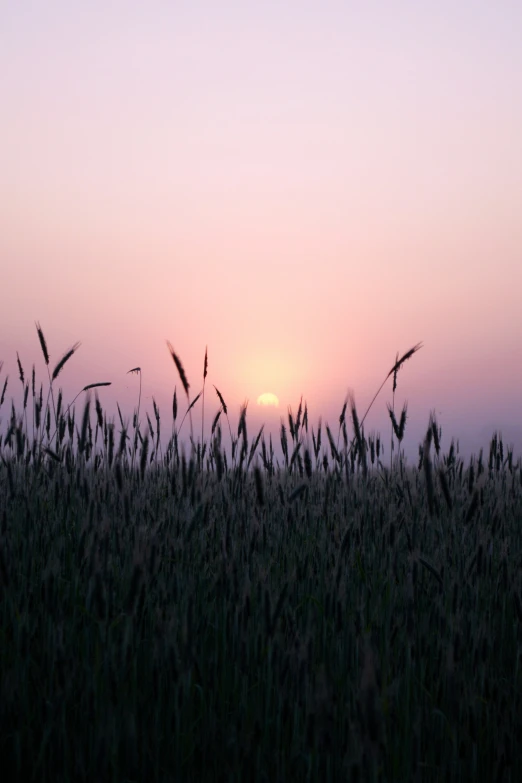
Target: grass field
[[220, 616]]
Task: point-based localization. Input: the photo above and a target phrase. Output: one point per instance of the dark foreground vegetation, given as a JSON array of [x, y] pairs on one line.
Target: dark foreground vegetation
[[220, 616]]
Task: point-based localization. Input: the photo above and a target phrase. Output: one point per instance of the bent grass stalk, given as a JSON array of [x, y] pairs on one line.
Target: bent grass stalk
[[225, 411], [205, 368], [396, 367], [187, 412], [184, 383], [136, 370], [85, 389]]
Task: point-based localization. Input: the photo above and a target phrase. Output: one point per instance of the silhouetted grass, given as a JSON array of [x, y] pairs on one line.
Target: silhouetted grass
[[187, 618]]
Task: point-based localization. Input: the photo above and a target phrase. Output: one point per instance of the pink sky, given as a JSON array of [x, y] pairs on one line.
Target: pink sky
[[306, 188]]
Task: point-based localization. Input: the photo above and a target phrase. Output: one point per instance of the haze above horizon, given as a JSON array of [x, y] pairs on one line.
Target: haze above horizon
[[307, 189]]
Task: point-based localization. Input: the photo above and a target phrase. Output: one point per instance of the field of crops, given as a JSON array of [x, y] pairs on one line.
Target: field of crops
[[220, 616]]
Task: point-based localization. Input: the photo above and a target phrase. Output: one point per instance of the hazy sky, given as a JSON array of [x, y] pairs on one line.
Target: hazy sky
[[305, 187]]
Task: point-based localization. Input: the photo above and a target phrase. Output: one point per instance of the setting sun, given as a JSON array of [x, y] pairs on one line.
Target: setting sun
[[229, 197], [268, 399]]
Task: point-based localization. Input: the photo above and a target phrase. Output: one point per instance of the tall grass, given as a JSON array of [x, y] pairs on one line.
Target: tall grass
[[225, 617]]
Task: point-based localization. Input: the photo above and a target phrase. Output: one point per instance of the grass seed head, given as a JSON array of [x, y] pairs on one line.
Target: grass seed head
[[180, 369], [43, 343], [65, 358]]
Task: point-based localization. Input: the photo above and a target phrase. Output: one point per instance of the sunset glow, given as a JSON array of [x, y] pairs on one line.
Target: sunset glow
[[306, 189], [261, 390], [268, 399]]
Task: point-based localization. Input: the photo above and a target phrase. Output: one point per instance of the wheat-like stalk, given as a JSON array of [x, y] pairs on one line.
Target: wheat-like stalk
[[65, 358], [398, 427], [225, 411], [205, 368], [43, 345], [136, 371], [184, 383], [180, 369], [396, 367]]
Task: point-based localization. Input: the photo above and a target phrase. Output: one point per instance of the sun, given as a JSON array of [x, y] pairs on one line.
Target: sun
[[268, 399]]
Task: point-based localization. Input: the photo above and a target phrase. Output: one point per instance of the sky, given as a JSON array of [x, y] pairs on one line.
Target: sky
[[306, 188]]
